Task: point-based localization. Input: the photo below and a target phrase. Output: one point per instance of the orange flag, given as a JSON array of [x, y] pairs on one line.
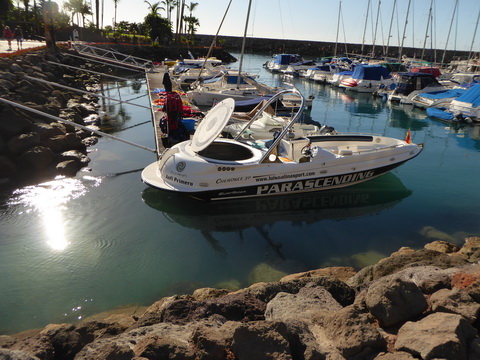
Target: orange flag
[[408, 138]]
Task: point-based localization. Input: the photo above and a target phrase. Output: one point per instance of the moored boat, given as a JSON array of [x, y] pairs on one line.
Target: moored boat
[[211, 168]]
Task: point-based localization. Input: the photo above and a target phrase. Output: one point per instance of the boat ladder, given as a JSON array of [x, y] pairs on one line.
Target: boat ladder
[[110, 55]]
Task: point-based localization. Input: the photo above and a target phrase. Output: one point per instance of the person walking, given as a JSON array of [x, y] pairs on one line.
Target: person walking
[[18, 34], [8, 34]]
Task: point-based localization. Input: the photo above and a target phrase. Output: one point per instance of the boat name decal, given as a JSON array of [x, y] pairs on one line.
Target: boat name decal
[[221, 181], [177, 180], [314, 183]]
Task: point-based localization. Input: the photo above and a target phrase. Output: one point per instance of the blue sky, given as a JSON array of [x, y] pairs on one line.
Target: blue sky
[[317, 20]]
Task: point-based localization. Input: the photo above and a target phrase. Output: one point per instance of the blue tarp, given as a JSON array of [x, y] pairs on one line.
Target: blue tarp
[[471, 96], [370, 72], [443, 94], [286, 59], [306, 62], [439, 114]]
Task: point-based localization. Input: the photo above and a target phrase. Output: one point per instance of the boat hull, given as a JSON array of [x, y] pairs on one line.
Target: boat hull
[[151, 175]]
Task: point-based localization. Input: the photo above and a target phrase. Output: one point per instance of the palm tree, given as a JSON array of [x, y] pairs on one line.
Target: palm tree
[[75, 7], [170, 5], [115, 17], [154, 8], [190, 8], [191, 22], [85, 9]]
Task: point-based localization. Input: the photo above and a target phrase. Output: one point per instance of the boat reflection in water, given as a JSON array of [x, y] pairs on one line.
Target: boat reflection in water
[[367, 198]]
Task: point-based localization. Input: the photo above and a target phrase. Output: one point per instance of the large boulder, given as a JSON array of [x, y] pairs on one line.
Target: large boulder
[[261, 341], [304, 305], [395, 263], [353, 331], [439, 335], [13, 123], [392, 300], [455, 301], [20, 143]]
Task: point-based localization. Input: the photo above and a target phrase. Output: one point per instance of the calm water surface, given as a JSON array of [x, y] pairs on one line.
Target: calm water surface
[[70, 248]]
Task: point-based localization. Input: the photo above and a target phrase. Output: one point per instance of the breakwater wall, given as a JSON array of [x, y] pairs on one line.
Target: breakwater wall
[[314, 49]]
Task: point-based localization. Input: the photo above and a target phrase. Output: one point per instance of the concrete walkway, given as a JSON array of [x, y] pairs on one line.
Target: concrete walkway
[[26, 44]]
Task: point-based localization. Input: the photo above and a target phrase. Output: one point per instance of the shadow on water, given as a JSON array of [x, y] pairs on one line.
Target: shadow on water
[[360, 200]]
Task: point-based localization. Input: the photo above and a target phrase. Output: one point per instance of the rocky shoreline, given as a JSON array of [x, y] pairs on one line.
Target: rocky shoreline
[[414, 304], [34, 148]]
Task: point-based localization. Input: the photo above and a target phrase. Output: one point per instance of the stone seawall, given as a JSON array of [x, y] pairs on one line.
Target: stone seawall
[[421, 304]]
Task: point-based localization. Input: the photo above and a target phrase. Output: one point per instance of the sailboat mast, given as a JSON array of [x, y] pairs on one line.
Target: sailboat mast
[[243, 44], [390, 29], [338, 26], [376, 26], [365, 27], [426, 31], [449, 30], [404, 30], [470, 55]]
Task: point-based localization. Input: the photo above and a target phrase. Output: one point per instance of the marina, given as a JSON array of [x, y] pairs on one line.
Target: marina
[[73, 247]]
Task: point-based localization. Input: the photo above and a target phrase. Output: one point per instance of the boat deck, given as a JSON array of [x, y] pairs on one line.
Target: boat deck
[[155, 81]]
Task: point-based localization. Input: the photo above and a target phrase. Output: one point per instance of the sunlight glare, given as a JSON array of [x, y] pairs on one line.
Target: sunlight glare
[[49, 199]]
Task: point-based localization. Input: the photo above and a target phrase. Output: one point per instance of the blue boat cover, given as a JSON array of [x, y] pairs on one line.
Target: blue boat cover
[[371, 72], [471, 96], [443, 94], [439, 113], [305, 62], [286, 59]]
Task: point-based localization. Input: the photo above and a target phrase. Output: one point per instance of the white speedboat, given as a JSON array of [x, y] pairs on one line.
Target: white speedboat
[[367, 79], [215, 90], [211, 168]]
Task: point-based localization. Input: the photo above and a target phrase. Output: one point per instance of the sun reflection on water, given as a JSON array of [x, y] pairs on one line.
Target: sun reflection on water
[[49, 199]]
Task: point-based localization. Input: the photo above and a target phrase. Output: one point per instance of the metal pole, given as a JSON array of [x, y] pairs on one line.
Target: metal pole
[[404, 30], [83, 91], [106, 63], [101, 133], [243, 45], [91, 71], [213, 42], [449, 30]]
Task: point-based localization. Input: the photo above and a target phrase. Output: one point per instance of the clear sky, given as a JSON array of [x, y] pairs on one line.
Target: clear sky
[[318, 20]]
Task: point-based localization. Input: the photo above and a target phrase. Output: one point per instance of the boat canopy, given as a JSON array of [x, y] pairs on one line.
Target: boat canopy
[[412, 81], [471, 96], [427, 70], [286, 59], [371, 72]]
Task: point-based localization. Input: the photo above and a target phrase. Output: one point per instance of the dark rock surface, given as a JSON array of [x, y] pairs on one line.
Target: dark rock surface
[[33, 146], [416, 307]]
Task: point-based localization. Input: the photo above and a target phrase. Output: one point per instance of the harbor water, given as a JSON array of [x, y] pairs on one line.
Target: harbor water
[[74, 247]]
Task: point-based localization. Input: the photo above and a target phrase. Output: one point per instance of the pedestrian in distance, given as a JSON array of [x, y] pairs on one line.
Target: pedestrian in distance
[[8, 34], [18, 34]]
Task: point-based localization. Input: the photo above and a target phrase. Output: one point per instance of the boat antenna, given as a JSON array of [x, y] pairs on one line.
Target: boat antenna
[[243, 44], [213, 42]]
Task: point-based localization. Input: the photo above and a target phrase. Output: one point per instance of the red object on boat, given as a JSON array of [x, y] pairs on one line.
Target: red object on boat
[[349, 82], [435, 71]]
